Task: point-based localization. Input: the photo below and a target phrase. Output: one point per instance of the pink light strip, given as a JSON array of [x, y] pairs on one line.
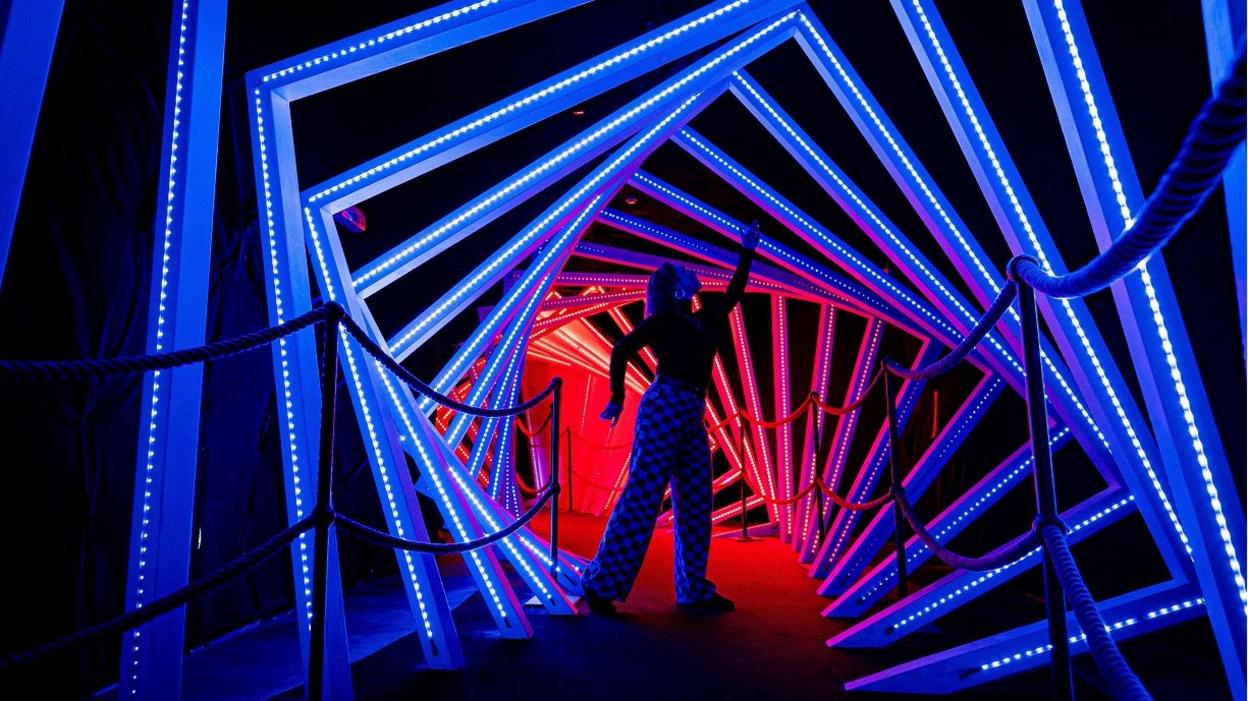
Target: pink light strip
[[783, 404], [745, 366], [864, 367], [820, 375]]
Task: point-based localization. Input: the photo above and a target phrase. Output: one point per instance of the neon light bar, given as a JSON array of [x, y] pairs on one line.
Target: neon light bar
[[604, 181], [745, 368], [509, 349], [892, 301], [397, 43], [574, 153], [1191, 449], [908, 396], [767, 278], [997, 483], [164, 498], [575, 85], [868, 543], [952, 670], [819, 378], [1094, 368], [783, 405], [960, 587], [864, 368]]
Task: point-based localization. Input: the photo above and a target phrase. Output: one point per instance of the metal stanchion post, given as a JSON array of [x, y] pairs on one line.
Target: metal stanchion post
[[569, 438], [894, 470], [1046, 492], [555, 403], [745, 533], [323, 509]]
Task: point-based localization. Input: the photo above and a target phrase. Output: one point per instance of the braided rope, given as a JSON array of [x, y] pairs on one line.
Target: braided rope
[[792, 416], [67, 370], [947, 362], [372, 535], [851, 505], [1123, 683], [383, 357], [996, 559], [165, 604], [793, 499], [1193, 174], [854, 405]]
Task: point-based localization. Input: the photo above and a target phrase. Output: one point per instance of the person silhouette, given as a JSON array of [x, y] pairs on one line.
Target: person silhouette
[[670, 440]]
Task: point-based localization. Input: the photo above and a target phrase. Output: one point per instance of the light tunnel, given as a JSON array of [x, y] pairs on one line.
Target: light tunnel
[[539, 273]]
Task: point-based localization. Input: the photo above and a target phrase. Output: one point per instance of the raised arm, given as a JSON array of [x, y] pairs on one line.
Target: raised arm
[[736, 286]]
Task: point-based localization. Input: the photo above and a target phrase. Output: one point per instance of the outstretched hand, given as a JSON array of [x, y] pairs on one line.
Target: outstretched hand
[[612, 412], [749, 240]]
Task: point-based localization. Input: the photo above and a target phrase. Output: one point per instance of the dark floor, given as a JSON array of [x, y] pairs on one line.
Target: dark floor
[[772, 647]]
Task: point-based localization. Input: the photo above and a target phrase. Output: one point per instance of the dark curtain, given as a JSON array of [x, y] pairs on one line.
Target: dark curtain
[[76, 286]]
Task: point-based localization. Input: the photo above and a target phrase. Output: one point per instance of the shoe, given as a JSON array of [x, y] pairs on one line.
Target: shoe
[[600, 605], [716, 604]]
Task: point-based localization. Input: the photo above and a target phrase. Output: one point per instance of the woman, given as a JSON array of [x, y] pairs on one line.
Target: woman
[[670, 440]]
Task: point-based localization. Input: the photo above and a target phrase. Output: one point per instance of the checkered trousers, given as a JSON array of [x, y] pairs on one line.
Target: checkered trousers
[[670, 444]]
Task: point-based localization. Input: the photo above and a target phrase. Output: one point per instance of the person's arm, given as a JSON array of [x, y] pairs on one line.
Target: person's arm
[[736, 286], [625, 349]]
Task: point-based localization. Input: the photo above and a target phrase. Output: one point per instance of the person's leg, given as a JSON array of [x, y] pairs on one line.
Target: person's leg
[[613, 570], [691, 503]]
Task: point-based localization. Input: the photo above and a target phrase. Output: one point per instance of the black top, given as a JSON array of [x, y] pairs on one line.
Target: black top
[[684, 342]]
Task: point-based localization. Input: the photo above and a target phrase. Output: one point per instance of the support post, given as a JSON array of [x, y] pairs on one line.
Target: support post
[[745, 531], [324, 506], [555, 436], [1046, 492], [556, 402], [894, 471]]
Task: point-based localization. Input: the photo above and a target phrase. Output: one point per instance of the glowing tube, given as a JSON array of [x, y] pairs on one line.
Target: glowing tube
[[164, 486], [819, 377], [604, 181], [1021, 649], [745, 368], [573, 154], [864, 369], [880, 580], [1000, 358], [1192, 453], [858, 554], [1070, 322], [509, 115], [960, 587], [783, 405], [874, 463]]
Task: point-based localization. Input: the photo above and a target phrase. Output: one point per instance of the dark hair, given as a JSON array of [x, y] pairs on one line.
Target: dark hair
[[661, 290]]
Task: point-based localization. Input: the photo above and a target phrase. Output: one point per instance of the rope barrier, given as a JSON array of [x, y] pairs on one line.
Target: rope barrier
[[947, 362], [854, 405], [996, 559], [426, 389], [1194, 173], [854, 506], [165, 604], [1123, 683], [372, 535], [68, 370], [793, 499]]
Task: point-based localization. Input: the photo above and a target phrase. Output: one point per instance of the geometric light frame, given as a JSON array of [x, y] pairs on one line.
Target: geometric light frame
[[1090, 403]]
